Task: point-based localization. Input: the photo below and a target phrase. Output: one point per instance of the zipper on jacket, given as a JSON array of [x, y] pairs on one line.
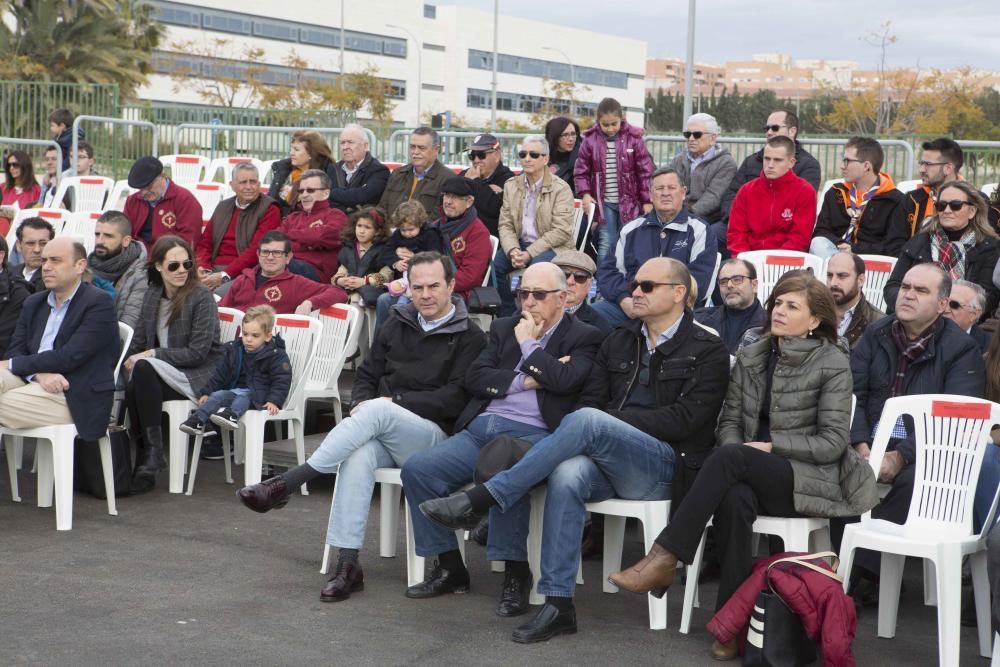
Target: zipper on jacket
[[635, 374]]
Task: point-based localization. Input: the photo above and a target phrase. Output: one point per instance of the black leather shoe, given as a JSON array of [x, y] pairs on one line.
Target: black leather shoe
[[481, 533], [266, 496], [348, 579], [514, 596], [453, 512], [440, 582], [548, 623]]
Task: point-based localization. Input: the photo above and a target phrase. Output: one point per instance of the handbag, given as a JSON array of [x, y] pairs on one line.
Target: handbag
[[776, 637], [499, 454], [484, 300], [88, 471]]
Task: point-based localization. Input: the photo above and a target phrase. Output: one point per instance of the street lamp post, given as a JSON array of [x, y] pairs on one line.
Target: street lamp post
[[341, 77], [496, 56], [416, 42], [689, 64]]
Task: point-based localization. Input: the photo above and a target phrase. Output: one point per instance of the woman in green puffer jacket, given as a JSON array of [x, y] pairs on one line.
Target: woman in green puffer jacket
[[784, 445]]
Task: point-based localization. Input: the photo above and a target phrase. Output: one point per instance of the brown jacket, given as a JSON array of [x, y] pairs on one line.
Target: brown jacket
[[553, 216], [864, 314], [428, 190]]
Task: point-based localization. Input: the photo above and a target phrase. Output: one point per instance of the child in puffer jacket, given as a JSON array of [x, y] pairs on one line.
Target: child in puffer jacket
[[362, 272]]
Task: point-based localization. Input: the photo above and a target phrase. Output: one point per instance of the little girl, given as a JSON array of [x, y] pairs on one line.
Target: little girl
[[362, 273], [612, 173]]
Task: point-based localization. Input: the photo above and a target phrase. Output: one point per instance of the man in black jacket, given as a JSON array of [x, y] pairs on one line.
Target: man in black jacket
[[644, 428], [740, 309], [359, 179], [522, 385], [406, 397], [488, 173]]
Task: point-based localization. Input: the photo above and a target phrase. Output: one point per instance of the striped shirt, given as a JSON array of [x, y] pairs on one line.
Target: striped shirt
[[611, 172]]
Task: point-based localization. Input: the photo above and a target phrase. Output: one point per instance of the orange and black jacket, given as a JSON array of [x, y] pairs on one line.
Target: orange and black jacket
[[919, 205], [883, 229]]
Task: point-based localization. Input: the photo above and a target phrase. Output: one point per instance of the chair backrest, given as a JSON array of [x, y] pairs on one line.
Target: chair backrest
[[125, 334], [952, 435], [579, 215], [393, 166], [707, 298], [341, 323], [989, 188], [230, 321], [772, 264], [90, 193], [81, 227], [878, 268], [186, 169], [457, 168], [121, 192], [494, 244], [226, 164], [54, 216], [266, 174], [908, 186], [209, 195], [822, 192], [301, 334]]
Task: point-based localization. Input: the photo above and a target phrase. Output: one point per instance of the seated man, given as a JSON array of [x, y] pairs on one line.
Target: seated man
[[229, 244], [314, 228], [421, 179], [579, 270], [272, 284], [776, 210], [740, 309], [32, 236], [121, 261], [59, 368], [160, 207], [406, 397], [522, 386], [965, 308], [632, 440], [359, 178], [488, 175], [536, 218], [669, 230], [705, 168], [940, 163], [845, 276], [50, 180]]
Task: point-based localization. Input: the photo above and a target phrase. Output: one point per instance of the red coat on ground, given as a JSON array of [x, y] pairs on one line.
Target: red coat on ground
[[315, 236], [284, 292], [772, 215], [229, 255], [178, 213], [827, 613]]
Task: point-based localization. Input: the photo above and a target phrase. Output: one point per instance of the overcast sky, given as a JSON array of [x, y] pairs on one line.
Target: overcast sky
[[929, 34]]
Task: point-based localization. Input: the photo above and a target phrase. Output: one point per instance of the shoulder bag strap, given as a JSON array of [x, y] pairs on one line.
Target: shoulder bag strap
[[801, 560]]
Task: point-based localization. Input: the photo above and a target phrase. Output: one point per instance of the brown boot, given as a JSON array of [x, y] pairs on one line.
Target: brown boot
[[653, 574], [727, 651]]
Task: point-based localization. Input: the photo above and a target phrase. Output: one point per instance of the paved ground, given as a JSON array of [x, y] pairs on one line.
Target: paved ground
[[201, 580]]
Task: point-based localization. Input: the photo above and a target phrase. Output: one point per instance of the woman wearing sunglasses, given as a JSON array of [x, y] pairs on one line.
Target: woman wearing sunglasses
[[19, 184], [784, 446], [959, 239], [173, 352], [309, 150]]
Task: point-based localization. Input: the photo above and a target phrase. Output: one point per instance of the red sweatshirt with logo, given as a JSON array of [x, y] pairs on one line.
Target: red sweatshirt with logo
[[772, 215]]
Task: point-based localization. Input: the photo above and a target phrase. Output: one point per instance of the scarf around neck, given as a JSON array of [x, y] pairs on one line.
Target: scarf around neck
[[113, 268], [950, 255]]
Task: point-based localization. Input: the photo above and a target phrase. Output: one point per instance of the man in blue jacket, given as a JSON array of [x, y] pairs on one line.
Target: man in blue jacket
[[59, 367], [666, 231]]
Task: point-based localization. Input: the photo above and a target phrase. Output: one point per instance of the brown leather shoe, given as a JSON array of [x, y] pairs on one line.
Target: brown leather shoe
[[346, 580], [727, 651], [266, 496], [653, 574]]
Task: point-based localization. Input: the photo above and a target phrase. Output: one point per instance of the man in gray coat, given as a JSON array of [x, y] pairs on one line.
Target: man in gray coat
[[121, 262], [705, 168]]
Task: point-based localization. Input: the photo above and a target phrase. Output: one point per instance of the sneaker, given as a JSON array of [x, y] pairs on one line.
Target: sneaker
[[226, 418], [193, 425], [212, 451]]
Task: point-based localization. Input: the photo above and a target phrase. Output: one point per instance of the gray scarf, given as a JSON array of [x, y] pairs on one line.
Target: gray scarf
[[112, 268]]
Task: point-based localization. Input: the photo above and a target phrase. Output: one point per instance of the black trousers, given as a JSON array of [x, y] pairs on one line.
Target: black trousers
[[144, 397], [735, 484]]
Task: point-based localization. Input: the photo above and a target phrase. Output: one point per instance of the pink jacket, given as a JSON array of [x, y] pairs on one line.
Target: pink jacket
[[635, 166]]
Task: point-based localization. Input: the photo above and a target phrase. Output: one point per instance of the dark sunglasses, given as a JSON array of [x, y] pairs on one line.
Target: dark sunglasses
[[954, 205], [312, 190], [13, 164], [647, 286], [479, 155], [534, 154], [173, 266], [696, 135], [578, 276], [773, 128], [955, 305], [538, 294]]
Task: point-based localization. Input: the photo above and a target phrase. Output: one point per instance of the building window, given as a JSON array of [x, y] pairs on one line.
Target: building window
[[225, 23], [432, 86], [275, 30], [319, 37], [548, 69], [434, 47], [430, 12], [481, 99]]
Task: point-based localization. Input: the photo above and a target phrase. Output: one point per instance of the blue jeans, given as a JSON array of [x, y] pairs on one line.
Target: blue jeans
[[501, 268], [612, 312], [380, 435], [823, 247], [446, 468], [608, 231], [384, 303], [303, 268], [237, 400], [592, 456]]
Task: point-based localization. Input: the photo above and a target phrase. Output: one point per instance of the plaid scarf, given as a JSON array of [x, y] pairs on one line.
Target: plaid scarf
[[950, 255], [910, 349]]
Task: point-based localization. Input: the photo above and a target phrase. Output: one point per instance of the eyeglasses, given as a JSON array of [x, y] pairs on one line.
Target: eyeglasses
[[925, 163], [480, 155], [309, 191], [773, 128], [735, 280], [568, 135], [847, 160], [272, 253], [648, 286], [578, 276], [954, 205], [696, 135], [174, 266], [534, 154], [537, 294], [955, 305], [13, 164]]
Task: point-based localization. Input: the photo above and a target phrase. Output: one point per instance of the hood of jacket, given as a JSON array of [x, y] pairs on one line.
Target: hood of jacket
[[460, 322], [885, 187]]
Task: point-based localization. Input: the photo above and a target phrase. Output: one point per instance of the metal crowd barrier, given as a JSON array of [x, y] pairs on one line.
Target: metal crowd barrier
[[124, 147], [265, 143], [5, 141]]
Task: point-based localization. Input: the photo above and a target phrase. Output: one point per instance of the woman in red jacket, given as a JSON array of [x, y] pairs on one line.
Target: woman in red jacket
[[19, 186]]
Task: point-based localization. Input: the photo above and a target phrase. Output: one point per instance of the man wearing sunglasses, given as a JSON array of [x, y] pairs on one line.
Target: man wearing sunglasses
[[314, 228], [160, 207], [706, 169], [579, 270], [522, 385], [940, 162], [421, 179], [740, 309], [488, 174], [645, 425], [965, 308]]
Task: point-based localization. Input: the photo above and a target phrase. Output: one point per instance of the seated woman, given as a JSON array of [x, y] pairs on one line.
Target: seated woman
[[564, 140], [785, 450], [19, 186], [309, 150], [959, 239], [174, 350]]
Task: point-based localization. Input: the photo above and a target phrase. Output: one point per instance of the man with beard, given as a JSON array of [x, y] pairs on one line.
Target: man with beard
[[845, 276], [740, 309], [940, 163], [122, 262]]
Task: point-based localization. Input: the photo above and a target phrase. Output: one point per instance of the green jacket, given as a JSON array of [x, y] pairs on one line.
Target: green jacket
[[810, 422]]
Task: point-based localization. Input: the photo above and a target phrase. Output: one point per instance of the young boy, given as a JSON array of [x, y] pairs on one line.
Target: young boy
[[254, 373], [60, 125]]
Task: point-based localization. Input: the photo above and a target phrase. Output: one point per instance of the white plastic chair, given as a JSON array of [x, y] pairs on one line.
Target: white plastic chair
[[54, 455], [81, 226], [266, 174], [226, 164], [90, 193], [230, 322], [952, 435], [822, 193], [54, 216], [121, 192], [579, 214], [186, 169], [908, 186], [772, 264], [341, 329], [208, 195], [707, 298], [989, 188], [878, 268]]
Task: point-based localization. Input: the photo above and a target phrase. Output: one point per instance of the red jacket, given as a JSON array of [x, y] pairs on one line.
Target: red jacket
[[827, 613], [284, 292], [178, 213], [635, 166], [315, 236], [234, 264], [472, 253], [772, 215]]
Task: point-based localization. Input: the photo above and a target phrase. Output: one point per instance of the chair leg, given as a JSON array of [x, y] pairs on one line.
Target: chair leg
[[195, 457], [109, 474], [62, 471], [498, 566], [691, 573], [535, 541], [415, 566], [890, 579], [389, 523], [12, 468], [297, 432], [253, 425], [178, 458], [614, 541], [228, 442], [18, 450], [930, 590], [652, 524], [981, 592], [995, 660], [46, 479], [949, 604]]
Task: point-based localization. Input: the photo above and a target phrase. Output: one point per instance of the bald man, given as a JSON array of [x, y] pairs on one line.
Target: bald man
[[523, 384], [359, 179], [639, 435]]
